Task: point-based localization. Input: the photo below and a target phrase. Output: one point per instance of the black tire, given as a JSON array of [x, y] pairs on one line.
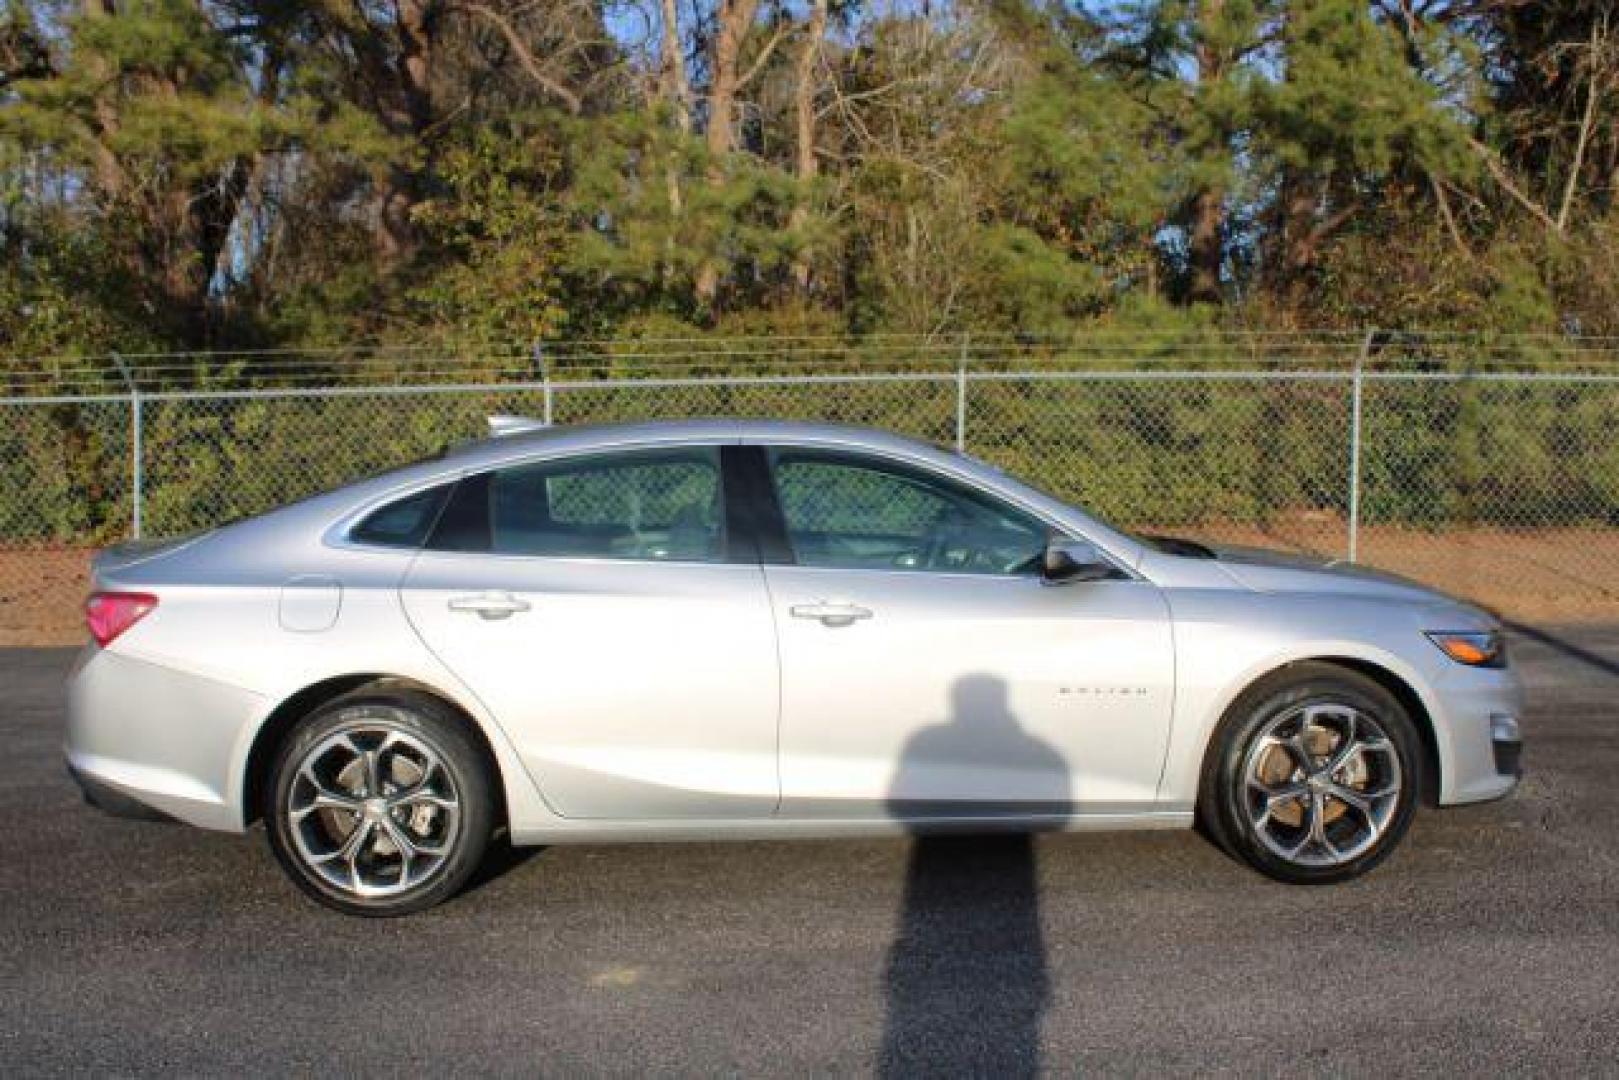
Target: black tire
[[1230, 808], [452, 797]]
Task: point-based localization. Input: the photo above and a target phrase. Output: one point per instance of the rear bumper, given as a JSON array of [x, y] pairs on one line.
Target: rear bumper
[[111, 800], [147, 739]]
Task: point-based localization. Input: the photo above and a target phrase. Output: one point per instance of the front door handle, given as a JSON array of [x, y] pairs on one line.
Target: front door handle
[[490, 605], [830, 614]]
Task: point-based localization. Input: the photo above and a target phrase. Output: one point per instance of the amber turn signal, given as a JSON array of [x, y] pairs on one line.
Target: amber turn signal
[[1472, 648]]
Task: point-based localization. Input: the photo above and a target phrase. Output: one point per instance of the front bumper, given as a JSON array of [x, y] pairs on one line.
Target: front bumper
[[150, 739], [1507, 742], [1481, 729]]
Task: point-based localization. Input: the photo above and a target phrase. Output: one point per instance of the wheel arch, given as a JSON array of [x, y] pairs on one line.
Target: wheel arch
[[289, 712], [1417, 709], [1396, 684]]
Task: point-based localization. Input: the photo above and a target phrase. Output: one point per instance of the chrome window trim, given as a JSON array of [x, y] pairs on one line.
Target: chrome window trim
[[1030, 576], [337, 535], [971, 482], [593, 560]]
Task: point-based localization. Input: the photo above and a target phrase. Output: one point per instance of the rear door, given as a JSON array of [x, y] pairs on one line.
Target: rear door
[[607, 611]]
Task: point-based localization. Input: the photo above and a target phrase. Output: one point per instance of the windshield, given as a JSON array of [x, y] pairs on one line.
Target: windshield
[[1038, 489], [1167, 545]]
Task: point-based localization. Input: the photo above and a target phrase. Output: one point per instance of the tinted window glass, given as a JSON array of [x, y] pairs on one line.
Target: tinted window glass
[[863, 513], [464, 524], [404, 523], [662, 504]]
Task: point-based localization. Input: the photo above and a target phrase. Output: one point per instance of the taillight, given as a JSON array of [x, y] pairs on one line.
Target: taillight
[[109, 614]]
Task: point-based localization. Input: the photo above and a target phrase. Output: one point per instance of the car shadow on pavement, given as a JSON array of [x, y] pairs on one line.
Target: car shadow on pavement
[[501, 859], [1566, 647], [966, 982]]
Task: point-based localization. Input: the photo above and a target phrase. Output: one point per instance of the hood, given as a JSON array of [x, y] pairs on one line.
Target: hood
[[1264, 570]]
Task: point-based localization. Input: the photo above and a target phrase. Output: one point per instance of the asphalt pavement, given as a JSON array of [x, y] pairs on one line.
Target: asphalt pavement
[[1490, 941]]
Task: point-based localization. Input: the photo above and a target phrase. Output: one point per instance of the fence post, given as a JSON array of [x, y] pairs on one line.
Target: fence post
[[137, 456], [961, 396], [537, 351], [1356, 385]]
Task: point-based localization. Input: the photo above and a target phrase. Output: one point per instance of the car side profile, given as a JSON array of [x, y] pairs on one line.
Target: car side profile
[[716, 629]]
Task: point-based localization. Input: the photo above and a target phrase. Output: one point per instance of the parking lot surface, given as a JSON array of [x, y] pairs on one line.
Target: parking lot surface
[[1489, 941]]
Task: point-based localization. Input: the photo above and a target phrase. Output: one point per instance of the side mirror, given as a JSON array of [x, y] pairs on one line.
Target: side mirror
[[1068, 560]]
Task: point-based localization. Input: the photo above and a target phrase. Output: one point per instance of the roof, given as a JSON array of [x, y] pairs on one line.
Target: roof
[[579, 437]]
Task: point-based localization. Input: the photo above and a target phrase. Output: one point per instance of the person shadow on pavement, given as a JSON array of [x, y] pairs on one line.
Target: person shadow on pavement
[[966, 982]]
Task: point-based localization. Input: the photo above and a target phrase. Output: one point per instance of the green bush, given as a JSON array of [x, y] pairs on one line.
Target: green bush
[[1119, 438]]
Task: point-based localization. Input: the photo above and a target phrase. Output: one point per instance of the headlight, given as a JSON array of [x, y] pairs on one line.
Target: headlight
[[1475, 649]]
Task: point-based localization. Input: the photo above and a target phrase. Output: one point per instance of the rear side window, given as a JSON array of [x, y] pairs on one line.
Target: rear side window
[[404, 523], [650, 504]]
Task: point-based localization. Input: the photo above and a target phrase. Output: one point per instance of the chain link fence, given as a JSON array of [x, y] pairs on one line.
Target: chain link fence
[[1489, 468]]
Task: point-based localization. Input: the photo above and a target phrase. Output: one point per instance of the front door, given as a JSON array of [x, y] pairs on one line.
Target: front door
[[929, 672], [601, 612]]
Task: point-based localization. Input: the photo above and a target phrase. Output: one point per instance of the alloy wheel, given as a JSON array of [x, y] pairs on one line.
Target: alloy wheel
[[373, 810], [1320, 784]]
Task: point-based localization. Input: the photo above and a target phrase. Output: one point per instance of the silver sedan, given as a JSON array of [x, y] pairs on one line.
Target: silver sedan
[[725, 629]]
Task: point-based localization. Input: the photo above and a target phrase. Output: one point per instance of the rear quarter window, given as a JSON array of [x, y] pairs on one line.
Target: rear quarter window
[[404, 523]]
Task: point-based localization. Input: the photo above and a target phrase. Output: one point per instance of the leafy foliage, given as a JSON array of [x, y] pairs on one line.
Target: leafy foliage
[[188, 173]]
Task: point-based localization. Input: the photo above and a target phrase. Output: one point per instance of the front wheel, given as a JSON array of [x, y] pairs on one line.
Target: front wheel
[[1313, 776], [379, 804]]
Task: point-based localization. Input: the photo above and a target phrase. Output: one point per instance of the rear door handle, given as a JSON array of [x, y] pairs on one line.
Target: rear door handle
[[830, 614], [490, 605]]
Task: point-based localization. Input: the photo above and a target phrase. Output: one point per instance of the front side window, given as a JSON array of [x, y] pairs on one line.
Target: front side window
[[658, 504], [853, 512]]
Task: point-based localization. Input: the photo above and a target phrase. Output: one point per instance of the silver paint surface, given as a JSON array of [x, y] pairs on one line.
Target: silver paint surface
[[630, 699]]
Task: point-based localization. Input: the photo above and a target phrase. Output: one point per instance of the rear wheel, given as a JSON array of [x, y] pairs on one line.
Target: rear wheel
[[379, 804], [1313, 775]]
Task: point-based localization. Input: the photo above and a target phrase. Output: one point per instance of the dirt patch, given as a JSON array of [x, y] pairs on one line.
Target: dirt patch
[[1529, 575], [42, 594]]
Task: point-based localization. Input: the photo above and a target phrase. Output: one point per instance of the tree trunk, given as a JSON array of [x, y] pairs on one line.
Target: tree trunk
[[199, 223], [673, 64], [734, 18], [675, 92], [805, 166], [1206, 246], [109, 172], [1206, 243], [417, 26], [1293, 246]]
